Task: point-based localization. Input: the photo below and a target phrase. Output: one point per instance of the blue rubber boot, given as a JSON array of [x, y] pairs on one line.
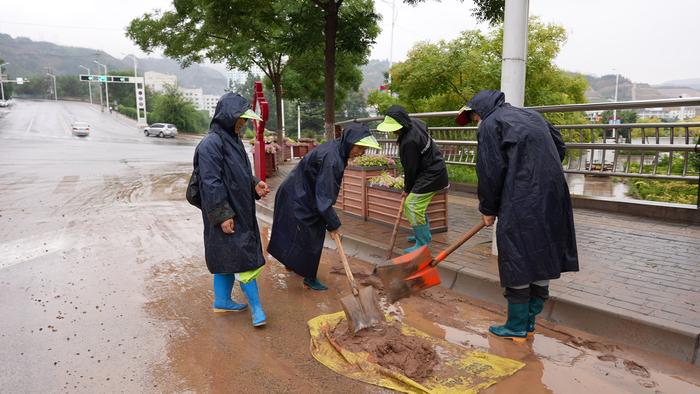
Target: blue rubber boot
[[223, 284], [314, 284], [535, 308], [423, 237], [516, 325], [251, 292], [412, 238]]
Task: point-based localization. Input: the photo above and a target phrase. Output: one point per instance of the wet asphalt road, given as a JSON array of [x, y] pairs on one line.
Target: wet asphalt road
[[103, 287]]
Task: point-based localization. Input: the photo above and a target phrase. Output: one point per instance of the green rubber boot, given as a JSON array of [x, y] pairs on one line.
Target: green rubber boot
[[516, 325], [535, 308], [423, 237]]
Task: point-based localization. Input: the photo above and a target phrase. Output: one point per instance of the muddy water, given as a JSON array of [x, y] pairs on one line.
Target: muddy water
[[103, 288]]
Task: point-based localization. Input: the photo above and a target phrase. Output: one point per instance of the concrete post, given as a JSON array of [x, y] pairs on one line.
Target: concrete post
[[515, 21]]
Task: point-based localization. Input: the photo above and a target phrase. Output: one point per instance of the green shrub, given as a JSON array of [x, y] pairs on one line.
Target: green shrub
[[462, 174]]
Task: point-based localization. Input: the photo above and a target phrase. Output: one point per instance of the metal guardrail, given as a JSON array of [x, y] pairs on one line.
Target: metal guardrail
[[641, 150]]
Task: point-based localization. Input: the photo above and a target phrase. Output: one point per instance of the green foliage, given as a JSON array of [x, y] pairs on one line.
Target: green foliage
[[490, 11], [445, 75], [173, 107], [624, 116], [70, 86], [665, 191], [462, 174], [127, 111], [37, 87], [373, 161]]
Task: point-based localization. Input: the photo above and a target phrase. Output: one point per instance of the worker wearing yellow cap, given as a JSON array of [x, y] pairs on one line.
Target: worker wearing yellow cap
[[424, 169], [304, 203]]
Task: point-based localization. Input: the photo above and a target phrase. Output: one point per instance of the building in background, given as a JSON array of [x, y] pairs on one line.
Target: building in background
[[157, 81], [209, 103], [193, 95]]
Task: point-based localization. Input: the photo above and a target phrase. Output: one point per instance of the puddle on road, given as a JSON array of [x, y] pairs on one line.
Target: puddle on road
[[210, 352]]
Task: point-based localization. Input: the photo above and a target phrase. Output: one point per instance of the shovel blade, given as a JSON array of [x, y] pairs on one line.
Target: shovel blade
[[403, 266], [419, 281], [362, 311]]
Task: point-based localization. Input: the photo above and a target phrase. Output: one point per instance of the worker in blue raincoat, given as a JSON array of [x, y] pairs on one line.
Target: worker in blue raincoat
[[522, 183], [304, 203], [228, 189]]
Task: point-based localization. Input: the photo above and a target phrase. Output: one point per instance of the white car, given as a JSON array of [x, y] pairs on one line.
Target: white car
[[80, 129], [161, 130]]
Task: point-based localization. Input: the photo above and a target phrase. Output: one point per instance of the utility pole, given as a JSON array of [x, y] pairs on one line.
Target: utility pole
[[106, 84], [55, 92], [89, 84], [515, 21], [140, 121], [2, 87], [298, 122]]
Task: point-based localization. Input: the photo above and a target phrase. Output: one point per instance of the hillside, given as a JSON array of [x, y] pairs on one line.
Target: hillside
[[28, 57]]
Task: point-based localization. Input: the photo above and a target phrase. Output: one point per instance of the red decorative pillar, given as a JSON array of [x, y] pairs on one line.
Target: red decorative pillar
[[261, 107]]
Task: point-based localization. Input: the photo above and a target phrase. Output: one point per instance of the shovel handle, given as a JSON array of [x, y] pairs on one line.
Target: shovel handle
[[396, 229], [346, 265], [443, 255]]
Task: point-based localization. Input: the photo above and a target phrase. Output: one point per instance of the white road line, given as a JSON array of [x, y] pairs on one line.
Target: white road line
[[31, 122]]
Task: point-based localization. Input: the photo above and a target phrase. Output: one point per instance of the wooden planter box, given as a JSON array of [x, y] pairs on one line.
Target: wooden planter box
[[352, 196], [287, 150], [383, 205], [300, 150], [270, 163]]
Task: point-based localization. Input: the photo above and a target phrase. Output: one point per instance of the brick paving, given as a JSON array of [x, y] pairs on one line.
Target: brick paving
[[643, 267]]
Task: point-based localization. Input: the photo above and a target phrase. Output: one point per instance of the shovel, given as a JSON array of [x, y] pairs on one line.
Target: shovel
[[416, 271], [361, 308], [396, 229]]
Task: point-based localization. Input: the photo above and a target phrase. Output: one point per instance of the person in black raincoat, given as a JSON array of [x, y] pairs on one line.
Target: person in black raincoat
[[228, 192], [304, 203], [424, 170], [522, 183]]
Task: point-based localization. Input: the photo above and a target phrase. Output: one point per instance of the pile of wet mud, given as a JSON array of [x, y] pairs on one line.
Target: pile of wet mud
[[387, 346]]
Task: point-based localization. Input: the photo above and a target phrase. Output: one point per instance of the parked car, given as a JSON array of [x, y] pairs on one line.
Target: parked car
[[80, 129], [161, 130]]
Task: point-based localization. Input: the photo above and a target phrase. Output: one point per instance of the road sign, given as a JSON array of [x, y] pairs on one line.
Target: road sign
[[110, 78]]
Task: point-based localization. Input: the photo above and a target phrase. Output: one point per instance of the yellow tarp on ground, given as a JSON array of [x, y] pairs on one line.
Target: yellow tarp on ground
[[469, 371]]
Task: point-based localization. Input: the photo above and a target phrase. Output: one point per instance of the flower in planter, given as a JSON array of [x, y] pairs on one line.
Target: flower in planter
[[373, 161], [388, 181], [272, 148]]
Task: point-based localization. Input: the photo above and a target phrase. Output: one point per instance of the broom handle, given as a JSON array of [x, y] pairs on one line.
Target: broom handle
[[443, 255], [344, 258], [396, 229]]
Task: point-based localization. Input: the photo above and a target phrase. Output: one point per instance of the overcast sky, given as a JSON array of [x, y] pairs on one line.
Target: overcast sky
[[645, 40]]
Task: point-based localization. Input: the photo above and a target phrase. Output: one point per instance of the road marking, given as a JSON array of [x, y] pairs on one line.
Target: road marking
[[31, 122]]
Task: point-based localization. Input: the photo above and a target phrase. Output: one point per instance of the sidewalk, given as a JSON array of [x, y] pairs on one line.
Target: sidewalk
[[639, 281]]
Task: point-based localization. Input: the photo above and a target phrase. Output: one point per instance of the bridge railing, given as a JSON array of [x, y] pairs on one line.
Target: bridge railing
[[642, 150]]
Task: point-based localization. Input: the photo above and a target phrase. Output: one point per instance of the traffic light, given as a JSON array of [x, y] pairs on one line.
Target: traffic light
[[120, 79]]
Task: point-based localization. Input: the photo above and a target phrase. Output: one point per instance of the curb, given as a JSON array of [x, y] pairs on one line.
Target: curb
[[679, 341]]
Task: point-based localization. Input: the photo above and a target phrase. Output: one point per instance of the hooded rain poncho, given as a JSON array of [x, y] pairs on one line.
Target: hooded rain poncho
[[227, 187], [304, 203], [521, 180]]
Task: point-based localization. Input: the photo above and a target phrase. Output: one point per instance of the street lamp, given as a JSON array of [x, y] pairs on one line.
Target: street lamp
[[89, 83], [55, 92], [106, 84], [2, 88]]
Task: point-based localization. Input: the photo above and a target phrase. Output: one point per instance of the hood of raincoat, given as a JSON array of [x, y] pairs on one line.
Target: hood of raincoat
[[400, 114], [229, 108], [354, 132], [486, 101]]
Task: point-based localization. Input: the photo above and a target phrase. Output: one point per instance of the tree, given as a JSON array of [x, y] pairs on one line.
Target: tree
[[490, 11], [69, 86], [267, 35], [234, 32], [37, 87], [349, 29], [173, 107], [444, 75], [8, 88]]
